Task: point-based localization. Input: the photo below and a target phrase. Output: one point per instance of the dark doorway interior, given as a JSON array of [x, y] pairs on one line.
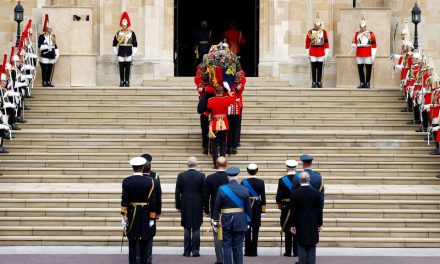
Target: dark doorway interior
[[219, 14]]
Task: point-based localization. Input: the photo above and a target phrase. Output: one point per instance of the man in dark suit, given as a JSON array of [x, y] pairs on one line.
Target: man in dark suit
[[306, 219], [138, 209], [158, 194], [316, 180], [257, 194], [212, 183], [189, 202], [232, 214]]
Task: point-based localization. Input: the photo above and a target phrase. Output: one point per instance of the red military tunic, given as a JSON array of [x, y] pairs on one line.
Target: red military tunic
[[364, 41], [317, 42], [236, 107], [204, 88], [217, 110], [235, 40]]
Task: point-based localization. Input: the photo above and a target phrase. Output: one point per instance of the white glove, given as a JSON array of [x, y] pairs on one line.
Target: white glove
[[353, 45], [307, 52], [115, 50], [399, 66], [248, 226], [45, 47], [226, 85], [326, 52], [151, 223], [123, 222], [135, 50], [9, 105], [263, 215], [57, 54], [5, 127], [373, 54]]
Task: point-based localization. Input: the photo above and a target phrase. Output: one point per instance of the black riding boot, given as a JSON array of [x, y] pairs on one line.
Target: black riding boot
[[121, 73], [361, 75]]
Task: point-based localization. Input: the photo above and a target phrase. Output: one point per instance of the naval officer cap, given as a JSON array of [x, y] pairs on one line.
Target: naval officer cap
[[232, 171], [148, 157], [138, 161], [252, 167], [291, 164], [306, 158]]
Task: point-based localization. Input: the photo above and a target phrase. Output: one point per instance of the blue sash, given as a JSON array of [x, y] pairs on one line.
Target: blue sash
[[234, 198], [287, 182], [249, 187]]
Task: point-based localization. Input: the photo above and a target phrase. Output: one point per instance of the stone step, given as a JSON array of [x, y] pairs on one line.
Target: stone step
[[250, 157], [271, 107], [113, 191], [175, 221], [268, 174], [264, 231], [57, 124], [104, 134], [206, 240], [245, 152], [194, 120], [169, 203], [169, 178], [181, 164], [190, 81], [336, 213]]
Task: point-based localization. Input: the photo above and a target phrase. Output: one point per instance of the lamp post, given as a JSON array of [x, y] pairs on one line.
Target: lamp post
[[416, 19], [18, 17]]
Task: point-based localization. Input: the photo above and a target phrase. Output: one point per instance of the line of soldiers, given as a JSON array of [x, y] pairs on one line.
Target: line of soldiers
[[235, 209], [220, 110], [419, 83], [317, 49]]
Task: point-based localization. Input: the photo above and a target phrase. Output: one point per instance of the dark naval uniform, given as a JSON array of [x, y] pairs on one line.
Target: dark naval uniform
[[257, 194], [315, 181], [232, 212], [283, 200], [138, 206]]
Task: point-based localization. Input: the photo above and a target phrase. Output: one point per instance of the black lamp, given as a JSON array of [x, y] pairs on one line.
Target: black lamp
[[354, 3], [416, 19], [18, 17]]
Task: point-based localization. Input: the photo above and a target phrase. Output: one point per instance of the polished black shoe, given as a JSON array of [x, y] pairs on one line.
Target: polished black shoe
[[127, 84], [319, 85], [121, 84], [21, 120], [234, 151], [205, 151], [3, 150], [361, 85], [238, 145], [50, 85], [419, 129], [287, 255], [186, 255], [196, 255], [44, 84], [367, 85], [29, 96], [435, 152], [15, 127], [27, 108], [313, 84], [229, 151]]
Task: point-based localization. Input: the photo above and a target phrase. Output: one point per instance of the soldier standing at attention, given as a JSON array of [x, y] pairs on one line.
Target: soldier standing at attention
[[285, 188], [232, 215], [257, 194], [125, 47], [138, 209], [317, 48]]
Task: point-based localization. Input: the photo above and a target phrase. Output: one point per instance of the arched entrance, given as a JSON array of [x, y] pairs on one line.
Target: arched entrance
[[219, 14]]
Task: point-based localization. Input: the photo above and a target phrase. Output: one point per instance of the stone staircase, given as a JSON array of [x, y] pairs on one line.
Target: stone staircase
[[61, 181]]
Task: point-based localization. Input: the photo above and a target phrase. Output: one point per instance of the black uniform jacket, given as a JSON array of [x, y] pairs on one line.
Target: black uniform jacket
[[138, 189]]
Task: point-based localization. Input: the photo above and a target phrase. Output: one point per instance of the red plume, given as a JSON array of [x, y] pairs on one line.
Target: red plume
[[5, 59], [125, 16], [46, 21], [12, 54]]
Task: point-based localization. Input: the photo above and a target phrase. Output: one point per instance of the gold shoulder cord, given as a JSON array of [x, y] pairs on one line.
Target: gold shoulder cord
[[53, 39]]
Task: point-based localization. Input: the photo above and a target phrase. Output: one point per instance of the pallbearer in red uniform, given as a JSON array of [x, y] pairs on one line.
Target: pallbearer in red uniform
[[217, 111], [364, 42], [234, 114], [206, 91], [317, 48]]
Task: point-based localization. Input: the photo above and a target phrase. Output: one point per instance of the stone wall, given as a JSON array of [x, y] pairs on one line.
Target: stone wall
[[283, 25]]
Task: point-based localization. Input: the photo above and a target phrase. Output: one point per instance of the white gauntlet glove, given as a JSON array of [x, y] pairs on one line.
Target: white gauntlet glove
[[123, 222], [226, 85], [115, 50], [151, 223]]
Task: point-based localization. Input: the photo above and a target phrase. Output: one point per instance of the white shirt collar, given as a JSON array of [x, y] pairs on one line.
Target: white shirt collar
[[138, 174], [305, 184]]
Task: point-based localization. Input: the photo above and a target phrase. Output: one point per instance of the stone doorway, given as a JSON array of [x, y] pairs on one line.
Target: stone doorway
[[219, 14]]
